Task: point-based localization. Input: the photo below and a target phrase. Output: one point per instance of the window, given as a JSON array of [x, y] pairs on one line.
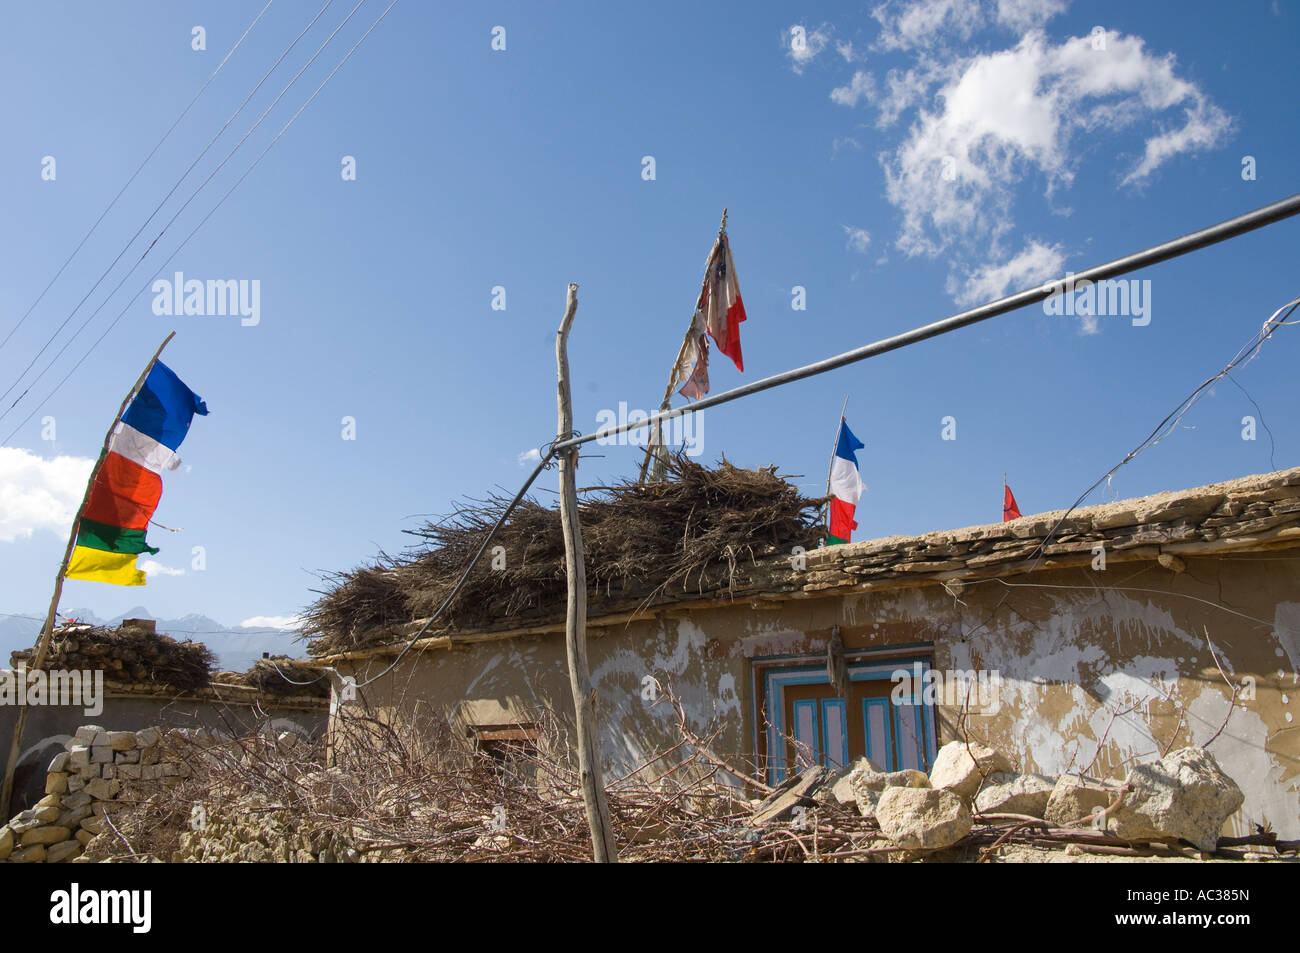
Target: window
[[512, 749], [801, 721]]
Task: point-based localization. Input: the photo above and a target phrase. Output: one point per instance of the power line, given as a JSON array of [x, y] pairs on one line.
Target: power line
[[178, 212], [205, 218], [169, 131], [1244, 356], [1231, 228], [1193, 241]]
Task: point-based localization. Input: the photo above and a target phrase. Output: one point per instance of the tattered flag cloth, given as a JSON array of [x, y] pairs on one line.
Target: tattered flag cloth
[[111, 530], [1010, 511], [694, 364], [718, 313], [846, 486], [721, 303]]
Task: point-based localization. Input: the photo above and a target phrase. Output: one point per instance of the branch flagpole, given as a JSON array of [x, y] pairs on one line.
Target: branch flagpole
[[656, 433], [47, 630], [831, 468]]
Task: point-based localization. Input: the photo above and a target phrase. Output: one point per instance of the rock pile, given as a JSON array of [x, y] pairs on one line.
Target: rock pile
[[81, 789], [1184, 796], [133, 652]]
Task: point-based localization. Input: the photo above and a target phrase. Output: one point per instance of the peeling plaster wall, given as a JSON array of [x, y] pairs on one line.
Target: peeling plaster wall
[[1098, 670]]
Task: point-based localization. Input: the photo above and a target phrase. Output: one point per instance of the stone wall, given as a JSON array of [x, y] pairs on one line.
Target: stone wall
[[133, 707], [82, 785]]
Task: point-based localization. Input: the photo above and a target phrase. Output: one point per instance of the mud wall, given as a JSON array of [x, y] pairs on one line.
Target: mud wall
[[1095, 670]]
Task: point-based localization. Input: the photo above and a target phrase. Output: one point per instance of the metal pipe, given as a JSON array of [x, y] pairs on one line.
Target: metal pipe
[[1223, 231]]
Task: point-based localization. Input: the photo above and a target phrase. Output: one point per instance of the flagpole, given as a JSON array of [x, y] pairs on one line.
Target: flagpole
[[47, 631], [656, 433], [831, 469]]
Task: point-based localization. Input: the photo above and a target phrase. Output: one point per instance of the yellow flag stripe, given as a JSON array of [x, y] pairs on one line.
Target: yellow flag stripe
[[99, 566]]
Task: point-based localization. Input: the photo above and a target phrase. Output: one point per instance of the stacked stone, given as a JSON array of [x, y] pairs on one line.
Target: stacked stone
[[251, 829], [1185, 795], [81, 786]]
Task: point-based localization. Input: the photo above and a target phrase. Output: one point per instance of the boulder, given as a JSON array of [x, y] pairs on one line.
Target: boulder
[[34, 854], [1185, 794], [867, 787], [1015, 794], [64, 851], [146, 737], [25, 821], [46, 813], [1073, 798], [103, 790], [87, 734], [56, 782], [122, 740], [60, 762], [842, 784], [956, 770], [78, 756], [101, 754], [6, 842], [923, 818], [74, 816], [49, 834]]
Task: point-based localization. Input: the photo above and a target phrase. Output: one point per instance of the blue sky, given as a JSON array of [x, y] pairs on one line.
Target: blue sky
[[897, 161]]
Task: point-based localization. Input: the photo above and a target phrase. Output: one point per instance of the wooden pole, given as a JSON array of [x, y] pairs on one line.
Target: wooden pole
[[47, 630], [831, 469], [604, 849], [656, 433]]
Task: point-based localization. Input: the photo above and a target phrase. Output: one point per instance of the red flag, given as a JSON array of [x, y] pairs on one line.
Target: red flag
[[721, 304], [1009, 509]]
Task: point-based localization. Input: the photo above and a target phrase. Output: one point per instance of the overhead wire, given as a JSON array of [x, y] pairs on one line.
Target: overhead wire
[[204, 220], [1248, 352], [134, 174], [221, 165]]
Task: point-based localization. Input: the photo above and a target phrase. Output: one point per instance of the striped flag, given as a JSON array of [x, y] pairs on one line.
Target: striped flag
[[111, 528], [846, 486]]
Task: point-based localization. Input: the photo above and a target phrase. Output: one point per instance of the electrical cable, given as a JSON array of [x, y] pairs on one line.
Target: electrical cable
[[102, 214], [204, 220], [178, 212]]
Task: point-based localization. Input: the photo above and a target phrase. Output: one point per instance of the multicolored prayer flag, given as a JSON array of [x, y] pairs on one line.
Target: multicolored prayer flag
[[111, 526]]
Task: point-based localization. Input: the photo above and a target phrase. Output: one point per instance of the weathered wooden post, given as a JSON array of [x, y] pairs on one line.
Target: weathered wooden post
[[47, 630], [604, 849]]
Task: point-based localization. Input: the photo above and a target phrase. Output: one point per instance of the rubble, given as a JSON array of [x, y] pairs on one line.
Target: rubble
[[923, 818], [865, 783], [961, 767], [1185, 794], [1009, 793], [1074, 798]]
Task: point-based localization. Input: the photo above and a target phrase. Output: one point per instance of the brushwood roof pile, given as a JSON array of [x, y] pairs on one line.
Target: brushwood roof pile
[[642, 544]]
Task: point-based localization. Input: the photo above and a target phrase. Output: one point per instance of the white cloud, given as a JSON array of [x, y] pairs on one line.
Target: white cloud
[[804, 46], [151, 567], [845, 49], [1035, 265], [1028, 14], [272, 622], [858, 89], [529, 456], [921, 23], [845, 142], [39, 494], [857, 239], [1003, 118]]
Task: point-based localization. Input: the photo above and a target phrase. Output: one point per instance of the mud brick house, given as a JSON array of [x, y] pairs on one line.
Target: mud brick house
[[1128, 634]]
